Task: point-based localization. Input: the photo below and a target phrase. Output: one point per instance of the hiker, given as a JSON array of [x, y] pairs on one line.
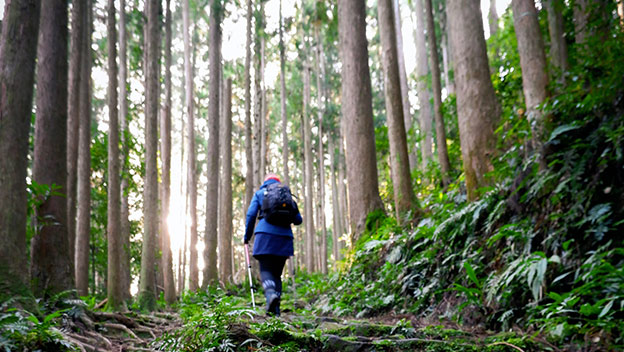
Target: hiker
[[276, 210]]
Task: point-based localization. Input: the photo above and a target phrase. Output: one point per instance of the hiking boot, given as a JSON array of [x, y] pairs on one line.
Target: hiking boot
[[273, 305]]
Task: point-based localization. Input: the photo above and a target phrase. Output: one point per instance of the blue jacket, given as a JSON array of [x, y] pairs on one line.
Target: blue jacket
[[270, 239]]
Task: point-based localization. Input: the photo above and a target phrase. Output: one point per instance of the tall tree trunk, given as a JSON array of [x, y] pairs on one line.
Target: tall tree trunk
[[147, 289], [211, 274], [282, 50], [263, 108], [357, 111], [83, 214], [73, 117], [404, 199], [336, 223], [115, 298], [493, 18], [436, 84], [249, 176], [558, 45], [309, 174], [225, 211], [191, 176], [165, 135], [320, 79], [477, 107], [258, 77], [407, 114], [126, 277], [51, 270], [581, 10], [424, 96], [18, 50], [532, 62], [446, 52]]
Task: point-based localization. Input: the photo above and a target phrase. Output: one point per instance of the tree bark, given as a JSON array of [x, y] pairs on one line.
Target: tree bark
[[51, 270], [532, 62], [357, 112], [147, 287], [115, 299], [424, 96], [320, 79], [558, 45], [436, 84], [477, 107], [18, 51], [581, 20], [404, 199], [126, 278], [407, 114], [446, 54], [165, 135], [225, 211], [191, 176], [249, 176], [285, 147], [336, 222], [73, 117], [211, 274], [83, 221], [493, 18], [309, 173], [258, 73]]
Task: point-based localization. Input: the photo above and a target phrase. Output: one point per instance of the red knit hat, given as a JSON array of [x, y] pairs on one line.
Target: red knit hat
[[272, 177]]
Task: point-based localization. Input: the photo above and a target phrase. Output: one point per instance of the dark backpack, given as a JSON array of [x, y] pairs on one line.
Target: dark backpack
[[278, 207]]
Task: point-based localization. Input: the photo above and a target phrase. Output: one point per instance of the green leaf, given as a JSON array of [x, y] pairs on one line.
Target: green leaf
[[560, 130], [471, 274], [605, 310]]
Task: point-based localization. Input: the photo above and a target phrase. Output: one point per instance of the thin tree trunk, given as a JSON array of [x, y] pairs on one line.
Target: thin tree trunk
[[407, 114], [83, 221], [249, 176], [443, 158], [493, 18], [51, 270], [309, 174], [191, 176], [404, 199], [165, 135], [17, 77], [450, 89], [424, 96], [282, 50], [477, 107], [211, 274], [225, 211], [258, 76], [558, 45], [147, 289], [342, 189], [357, 113], [263, 108], [581, 20], [320, 79], [115, 299], [73, 117], [532, 62], [336, 225], [126, 278]]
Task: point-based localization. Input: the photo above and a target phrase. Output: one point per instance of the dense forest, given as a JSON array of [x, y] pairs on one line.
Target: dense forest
[[458, 165]]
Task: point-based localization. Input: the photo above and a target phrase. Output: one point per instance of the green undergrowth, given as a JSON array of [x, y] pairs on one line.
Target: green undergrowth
[[219, 320], [540, 252]]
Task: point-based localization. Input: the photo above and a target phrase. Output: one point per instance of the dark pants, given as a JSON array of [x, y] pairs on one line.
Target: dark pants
[[271, 267]]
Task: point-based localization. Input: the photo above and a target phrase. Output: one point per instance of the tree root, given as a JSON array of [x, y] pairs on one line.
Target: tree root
[[122, 328]]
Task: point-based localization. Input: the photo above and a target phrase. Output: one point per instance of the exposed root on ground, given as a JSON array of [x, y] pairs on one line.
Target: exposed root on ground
[[118, 331]]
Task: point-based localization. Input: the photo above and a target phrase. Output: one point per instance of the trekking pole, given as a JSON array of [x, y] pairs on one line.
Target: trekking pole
[[253, 301]]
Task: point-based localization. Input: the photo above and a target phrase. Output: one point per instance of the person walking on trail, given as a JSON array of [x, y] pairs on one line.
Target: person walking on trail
[[273, 244]]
